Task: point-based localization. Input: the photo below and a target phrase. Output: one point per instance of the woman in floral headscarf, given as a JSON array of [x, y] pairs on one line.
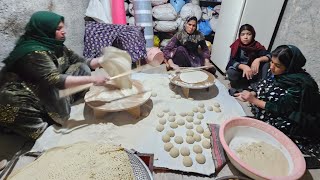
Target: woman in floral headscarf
[[183, 48], [289, 99], [35, 70]]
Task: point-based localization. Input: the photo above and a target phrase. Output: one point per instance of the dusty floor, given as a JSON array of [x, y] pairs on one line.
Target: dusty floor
[[10, 144]]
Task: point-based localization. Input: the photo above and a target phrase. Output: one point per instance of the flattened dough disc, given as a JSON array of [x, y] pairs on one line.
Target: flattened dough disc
[[193, 76]]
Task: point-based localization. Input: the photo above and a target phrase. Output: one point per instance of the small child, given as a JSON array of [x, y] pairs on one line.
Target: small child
[[249, 61]]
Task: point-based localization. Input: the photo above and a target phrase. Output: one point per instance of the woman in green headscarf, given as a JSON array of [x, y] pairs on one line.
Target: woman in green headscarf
[[288, 99], [40, 65]]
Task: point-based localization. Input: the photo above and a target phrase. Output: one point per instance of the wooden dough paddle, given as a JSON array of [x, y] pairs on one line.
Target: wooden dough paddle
[[73, 90]]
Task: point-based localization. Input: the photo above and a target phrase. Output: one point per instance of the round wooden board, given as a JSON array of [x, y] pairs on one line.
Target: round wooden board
[[175, 79], [120, 104]]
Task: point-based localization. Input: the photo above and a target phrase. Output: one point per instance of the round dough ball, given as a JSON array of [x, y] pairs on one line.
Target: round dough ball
[[183, 114], [160, 114], [154, 94], [197, 149], [162, 121], [201, 105], [160, 127], [180, 122], [206, 144], [216, 109], [172, 113], [171, 118], [210, 108], [197, 137], [173, 125], [173, 96], [165, 110], [189, 119], [202, 110], [168, 146], [189, 126], [200, 159], [187, 161], [190, 140], [189, 132], [170, 133], [200, 116], [197, 122], [165, 138], [207, 133], [195, 109], [178, 96], [216, 104], [190, 114], [199, 129], [184, 151], [174, 152], [178, 139], [191, 99]]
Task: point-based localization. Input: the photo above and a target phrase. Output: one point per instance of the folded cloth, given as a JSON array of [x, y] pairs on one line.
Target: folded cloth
[[218, 154]]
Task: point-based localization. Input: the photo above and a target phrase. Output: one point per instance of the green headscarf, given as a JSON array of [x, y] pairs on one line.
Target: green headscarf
[[39, 36]]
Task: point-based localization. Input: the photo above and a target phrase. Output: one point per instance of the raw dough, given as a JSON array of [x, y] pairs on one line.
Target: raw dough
[[200, 159], [189, 132], [206, 144], [202, 110], [197, 149], [171, 119], [165, 138], [173, 125], [187, 161], [264, 157], [185, 151], [162, 121], [216, 104], [200, 116], [191, 99], [193, 76], [81, 160], [173, 96], [190, 140], [189, 119], [174, 152], [172, 113], [210, 108], [197, 137], [197, 122], [207, 134], [165, 110], [201, 105], [199, 129], [178, 139], [216, 109], [189, 126], [116, 61], [168, 146], [195, 109], [178, 97], [180, 122], [190, 114], [160, 127], [160, 114], [154, 94], [183, 114], [171, 133]]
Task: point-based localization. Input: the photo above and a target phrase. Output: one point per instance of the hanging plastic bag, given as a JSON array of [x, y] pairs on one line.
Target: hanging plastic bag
[[177, 4], [96, 11]]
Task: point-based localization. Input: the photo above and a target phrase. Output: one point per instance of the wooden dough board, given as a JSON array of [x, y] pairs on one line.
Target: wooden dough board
[[131, 104], [175, 79]]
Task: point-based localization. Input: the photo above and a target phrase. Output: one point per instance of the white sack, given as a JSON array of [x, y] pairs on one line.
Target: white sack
[[99, 11], [165, 12], [166, 26], [189, 10]]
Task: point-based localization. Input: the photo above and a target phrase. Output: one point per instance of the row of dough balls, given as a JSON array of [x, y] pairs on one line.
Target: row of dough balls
[[179, 97], [180, 122], [185, 152]]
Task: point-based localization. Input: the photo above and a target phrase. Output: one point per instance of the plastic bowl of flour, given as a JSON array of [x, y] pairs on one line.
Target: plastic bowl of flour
[[261, 151]]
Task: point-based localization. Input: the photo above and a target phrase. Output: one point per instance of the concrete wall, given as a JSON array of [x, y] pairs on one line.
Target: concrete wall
[[300, 25]]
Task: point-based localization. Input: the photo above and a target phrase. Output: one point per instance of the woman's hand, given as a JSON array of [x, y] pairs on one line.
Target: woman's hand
[[247, 71], [99, 80], [173, 65], [255, 66], [207, 63], [246, 96]]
